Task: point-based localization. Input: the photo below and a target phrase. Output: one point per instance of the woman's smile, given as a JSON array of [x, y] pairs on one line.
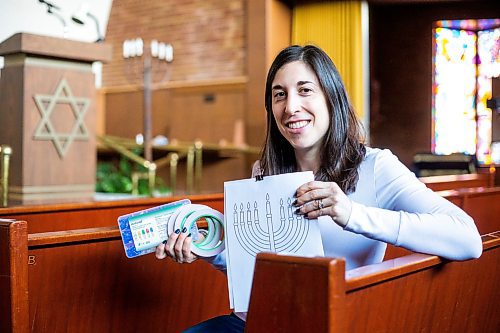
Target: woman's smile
[[297, 124]]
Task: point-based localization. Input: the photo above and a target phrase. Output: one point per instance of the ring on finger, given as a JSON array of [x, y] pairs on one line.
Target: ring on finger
[[320, 204]]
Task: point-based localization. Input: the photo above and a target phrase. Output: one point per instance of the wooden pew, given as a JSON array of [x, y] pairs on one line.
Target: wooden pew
[[81, 281], [416, 293], [481, 203], [13, 278], [80, 215], [453, 182], [57, 223]]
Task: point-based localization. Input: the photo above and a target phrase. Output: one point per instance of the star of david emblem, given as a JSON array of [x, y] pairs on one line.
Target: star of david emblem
[[45, 129]]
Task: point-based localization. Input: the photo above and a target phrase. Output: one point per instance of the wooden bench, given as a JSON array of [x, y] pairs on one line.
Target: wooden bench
[[453, 182], [81, 281], [81, 215], [415, 293], [481, 203], [69, 260]]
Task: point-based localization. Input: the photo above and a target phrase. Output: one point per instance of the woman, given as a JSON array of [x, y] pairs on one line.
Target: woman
[[363, 197]]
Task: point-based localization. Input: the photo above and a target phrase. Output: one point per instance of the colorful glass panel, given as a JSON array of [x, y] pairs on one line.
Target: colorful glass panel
[[454, 109], [462, 85], [488, 67]]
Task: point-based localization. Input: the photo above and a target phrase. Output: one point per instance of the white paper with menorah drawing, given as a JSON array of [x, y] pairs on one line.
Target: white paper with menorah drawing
[[259, 217]]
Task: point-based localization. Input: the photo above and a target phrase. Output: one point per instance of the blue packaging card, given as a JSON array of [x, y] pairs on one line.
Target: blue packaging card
[[143, 230]]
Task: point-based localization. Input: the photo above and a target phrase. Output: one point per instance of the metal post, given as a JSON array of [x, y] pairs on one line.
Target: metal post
[[5, 152], [148, 148], [189, 169], [173, 171], [198, 165], [152, 178]]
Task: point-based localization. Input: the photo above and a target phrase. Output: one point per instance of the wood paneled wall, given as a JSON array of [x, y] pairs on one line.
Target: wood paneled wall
[[208, 37], [235, 41], [214, 90], [207, 110]]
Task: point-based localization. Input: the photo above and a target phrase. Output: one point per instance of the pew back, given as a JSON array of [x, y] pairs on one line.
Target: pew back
[[453, 182], [481, 203], [72, 270], [81, 281], [13, 278], [69, 216], [416, 293]]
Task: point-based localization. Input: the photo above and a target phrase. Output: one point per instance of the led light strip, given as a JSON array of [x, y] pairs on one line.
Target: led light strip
[[186, 217]]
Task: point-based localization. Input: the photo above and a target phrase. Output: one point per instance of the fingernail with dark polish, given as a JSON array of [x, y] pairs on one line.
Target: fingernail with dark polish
[[184, 230], [294, 203], [178, 231], [189, 235], [297, 211], [305, 215], [165, 241]]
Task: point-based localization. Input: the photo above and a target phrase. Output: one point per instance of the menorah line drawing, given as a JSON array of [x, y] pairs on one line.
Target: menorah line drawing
[[254, 236]]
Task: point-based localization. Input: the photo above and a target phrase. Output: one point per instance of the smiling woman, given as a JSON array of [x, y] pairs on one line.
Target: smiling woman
[[362, 198], [304, 84], [300, 110]]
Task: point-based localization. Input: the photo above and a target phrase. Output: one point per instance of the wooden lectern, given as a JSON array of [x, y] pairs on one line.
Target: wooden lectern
[[47, 116]]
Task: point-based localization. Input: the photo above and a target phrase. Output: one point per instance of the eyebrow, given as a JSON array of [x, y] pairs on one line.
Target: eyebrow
[[299, 83]]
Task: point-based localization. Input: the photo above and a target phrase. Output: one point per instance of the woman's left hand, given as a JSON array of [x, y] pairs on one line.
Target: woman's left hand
[[317, 198]]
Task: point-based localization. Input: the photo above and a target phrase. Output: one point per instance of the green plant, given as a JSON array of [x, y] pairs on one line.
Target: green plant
[[113, 177]]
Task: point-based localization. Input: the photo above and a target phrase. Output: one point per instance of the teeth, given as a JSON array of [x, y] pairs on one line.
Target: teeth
[[298, 124]]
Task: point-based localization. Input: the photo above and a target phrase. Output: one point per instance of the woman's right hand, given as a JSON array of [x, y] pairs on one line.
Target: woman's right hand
[[177, 247]]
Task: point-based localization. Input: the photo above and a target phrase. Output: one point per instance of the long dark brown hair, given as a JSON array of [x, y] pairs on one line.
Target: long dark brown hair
[[343, 149]]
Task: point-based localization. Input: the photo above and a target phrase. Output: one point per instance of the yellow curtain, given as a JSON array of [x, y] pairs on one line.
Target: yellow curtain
[[336, 27]]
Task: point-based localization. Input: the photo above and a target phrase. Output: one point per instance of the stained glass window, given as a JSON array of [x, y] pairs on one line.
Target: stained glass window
[[488, 67], [454, 92], [465, 60]]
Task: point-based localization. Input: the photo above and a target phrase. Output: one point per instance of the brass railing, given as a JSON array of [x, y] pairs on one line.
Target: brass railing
[[174, 155], [5, 153], [175, 151]]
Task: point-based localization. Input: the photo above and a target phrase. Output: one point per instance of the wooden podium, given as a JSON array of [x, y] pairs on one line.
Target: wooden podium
[[48, 116]]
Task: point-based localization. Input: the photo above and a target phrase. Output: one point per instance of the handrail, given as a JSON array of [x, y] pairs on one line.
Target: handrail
[[149, 165], [122, 146], [177, 150]]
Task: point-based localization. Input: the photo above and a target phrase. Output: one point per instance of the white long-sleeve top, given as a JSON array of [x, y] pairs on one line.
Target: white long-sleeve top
[[390, 205]]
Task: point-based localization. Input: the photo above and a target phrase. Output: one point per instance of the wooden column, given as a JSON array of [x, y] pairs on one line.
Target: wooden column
[[47, 116]]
